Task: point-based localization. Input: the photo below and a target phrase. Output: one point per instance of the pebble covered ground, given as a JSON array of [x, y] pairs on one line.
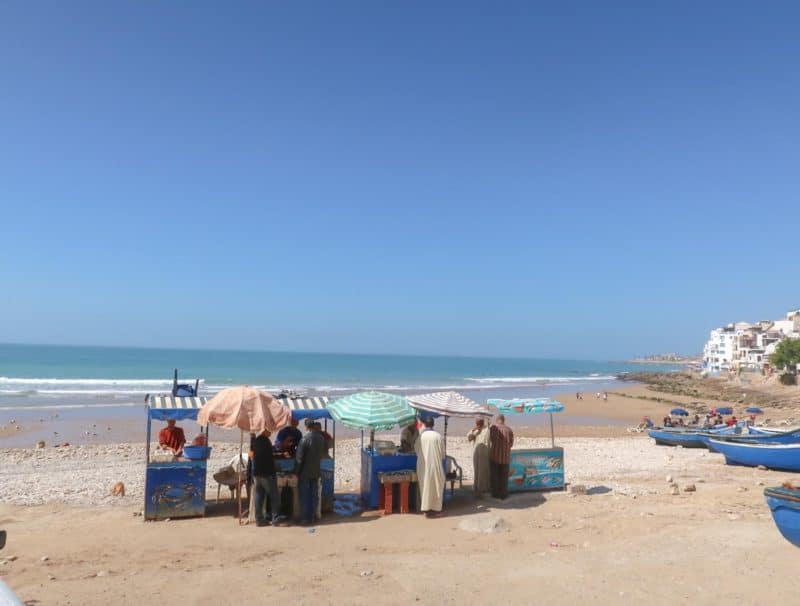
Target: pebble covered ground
[[85, 475]]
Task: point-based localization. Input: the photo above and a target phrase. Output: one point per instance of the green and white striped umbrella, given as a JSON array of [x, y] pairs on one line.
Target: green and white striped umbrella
[[372, 410]]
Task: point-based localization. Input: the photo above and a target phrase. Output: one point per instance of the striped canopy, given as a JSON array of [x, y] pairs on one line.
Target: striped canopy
[[313, 407], [448, 404], [174, 402], [174, 407], [372, 410], [527, 405]]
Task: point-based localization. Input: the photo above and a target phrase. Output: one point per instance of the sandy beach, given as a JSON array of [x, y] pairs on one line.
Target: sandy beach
[[627, 540]]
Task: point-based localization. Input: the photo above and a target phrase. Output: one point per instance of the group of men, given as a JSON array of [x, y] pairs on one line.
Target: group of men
[[308, 451], [491, 458]]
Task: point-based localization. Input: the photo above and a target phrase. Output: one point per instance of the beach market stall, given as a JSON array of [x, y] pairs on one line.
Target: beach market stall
[[376, 411], [248, 409], [175, 487], [447, 404], [313, 407], [534, 468]]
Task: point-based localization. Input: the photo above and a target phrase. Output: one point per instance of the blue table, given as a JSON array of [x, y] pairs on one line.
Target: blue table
[[373, 463]]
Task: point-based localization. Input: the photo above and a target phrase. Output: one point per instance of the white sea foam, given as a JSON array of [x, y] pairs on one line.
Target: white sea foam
[[534, 380]]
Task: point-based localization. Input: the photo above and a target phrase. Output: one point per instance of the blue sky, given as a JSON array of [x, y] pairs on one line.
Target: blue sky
[[587, 180]]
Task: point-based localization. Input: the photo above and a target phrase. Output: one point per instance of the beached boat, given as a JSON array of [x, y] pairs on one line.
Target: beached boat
[[675, 437], [688, 437], [773, 456], [784, 503], [786, 437]]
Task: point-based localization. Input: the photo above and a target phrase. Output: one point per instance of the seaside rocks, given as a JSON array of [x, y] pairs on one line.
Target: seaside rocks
[[484, 524], [689, 488], [577, 489], [674, 490], [40, 444], [669, 479]]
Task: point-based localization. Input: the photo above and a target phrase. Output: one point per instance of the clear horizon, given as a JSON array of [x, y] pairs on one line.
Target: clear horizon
[[520, 181]]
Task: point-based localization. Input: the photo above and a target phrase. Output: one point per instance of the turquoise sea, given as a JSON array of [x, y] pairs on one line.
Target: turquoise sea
[[43, 376]]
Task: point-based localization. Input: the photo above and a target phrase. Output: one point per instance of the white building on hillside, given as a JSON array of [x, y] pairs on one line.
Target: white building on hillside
[[745, 345]]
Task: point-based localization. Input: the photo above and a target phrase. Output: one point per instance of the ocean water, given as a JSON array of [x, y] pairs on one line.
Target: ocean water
[[55, 377]]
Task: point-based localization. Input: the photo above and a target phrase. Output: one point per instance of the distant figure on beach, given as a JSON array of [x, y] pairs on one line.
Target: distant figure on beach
[[667, 422], [605, 396], [430, 472], [171, 438], [597, 395], [579, 396], [501, 440], [310, 453], [696, 420], [479, 436], [409, 437]]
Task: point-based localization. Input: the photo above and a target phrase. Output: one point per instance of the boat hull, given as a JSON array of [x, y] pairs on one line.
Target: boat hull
[[787, 437], [772, 456], [784, 503], [687, 439]]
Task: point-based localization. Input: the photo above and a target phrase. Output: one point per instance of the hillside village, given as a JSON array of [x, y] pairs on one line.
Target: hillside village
[[748, 346]]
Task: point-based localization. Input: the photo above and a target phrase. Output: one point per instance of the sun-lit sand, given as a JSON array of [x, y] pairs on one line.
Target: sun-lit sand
[[628, 540]]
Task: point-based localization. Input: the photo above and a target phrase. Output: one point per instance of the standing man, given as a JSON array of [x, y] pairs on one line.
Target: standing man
[[408, 437], [430, 469], [310, 452], [479, 436], [501, 440], [266, 483]]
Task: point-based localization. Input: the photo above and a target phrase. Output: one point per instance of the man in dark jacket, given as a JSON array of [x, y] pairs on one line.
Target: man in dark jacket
[[310, 452], [266, 483]]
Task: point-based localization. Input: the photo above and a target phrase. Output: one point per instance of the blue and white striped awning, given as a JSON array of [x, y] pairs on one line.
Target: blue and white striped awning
[[315, 407], [176, 402]]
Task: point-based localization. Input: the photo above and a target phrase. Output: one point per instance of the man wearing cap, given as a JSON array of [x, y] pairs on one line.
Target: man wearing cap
[[430, 470]]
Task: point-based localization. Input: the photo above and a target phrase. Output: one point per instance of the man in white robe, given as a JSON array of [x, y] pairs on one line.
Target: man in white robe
[[430, 469], [479, 436]]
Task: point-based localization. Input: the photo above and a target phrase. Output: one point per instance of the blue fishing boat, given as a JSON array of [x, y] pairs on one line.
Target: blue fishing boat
[[784, 503], [676, 437], [786, 437], [773, 456]]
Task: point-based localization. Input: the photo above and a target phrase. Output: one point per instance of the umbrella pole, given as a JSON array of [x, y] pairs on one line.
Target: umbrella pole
[[445, 435], [239, 475], [372, 440], [552, 435]]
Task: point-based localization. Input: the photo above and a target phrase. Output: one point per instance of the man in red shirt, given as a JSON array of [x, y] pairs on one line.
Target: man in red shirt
[[171, 438]]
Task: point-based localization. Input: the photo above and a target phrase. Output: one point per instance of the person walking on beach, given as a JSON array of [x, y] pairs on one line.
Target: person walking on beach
[[264, 478], [310, 452], [479, 436], [430, 469], [501, 440]]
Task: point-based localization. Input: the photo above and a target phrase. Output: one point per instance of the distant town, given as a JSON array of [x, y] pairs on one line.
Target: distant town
[[667, 358], [743, 345]]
